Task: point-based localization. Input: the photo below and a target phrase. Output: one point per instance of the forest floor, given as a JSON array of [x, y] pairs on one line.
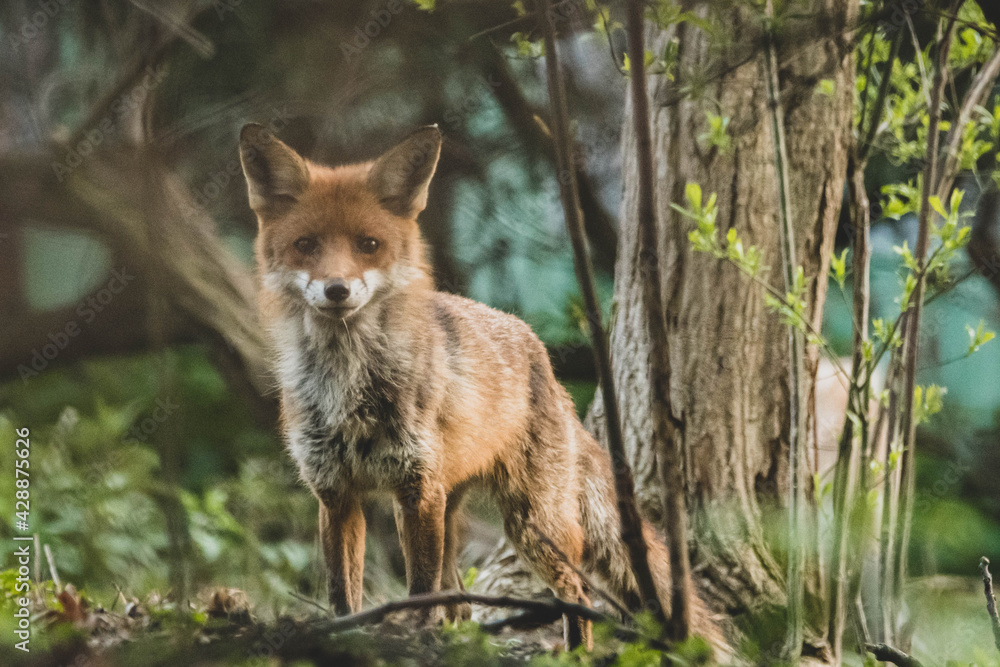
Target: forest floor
[[68, 630]]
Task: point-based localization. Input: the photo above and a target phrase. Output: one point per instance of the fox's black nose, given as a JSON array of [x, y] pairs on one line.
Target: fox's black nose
[[337, 290]]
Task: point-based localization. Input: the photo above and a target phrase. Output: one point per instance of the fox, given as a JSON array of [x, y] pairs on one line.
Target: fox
[[390, 388]]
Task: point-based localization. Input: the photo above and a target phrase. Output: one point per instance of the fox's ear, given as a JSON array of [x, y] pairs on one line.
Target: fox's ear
[[400, 177], [275, 173]]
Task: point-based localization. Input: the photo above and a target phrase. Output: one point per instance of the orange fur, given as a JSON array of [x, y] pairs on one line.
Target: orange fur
[[388, 386]]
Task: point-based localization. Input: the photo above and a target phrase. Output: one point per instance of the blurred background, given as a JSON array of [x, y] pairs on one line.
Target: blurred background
[[129, 343]]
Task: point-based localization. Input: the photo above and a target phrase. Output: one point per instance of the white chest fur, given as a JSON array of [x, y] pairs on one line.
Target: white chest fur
[[344, 426]]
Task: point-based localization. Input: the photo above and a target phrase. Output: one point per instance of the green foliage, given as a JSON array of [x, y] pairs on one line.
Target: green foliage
[[838, 267], [978, 337], [790, 305], [825, 87], [527, 47], [888, 334], [717, 134], [793, 308], [99, 493], [946, 228], [666, 13], [466, 644], [704, 238], [470, 577], [927, 402]]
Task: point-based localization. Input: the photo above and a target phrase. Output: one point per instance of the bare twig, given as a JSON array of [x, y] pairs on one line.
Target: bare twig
[[37, 565], [991, 600], [303, 598], [506, 24], [631, 524], [796, 432], [52, 566], [980, 88], [879, 108], [886, 653], [849, 472], [528, 121], [908, 425], [666, 442], [441, 598], [919, 57], [550, 608], [181, 26], [121, 596], [144, 59]]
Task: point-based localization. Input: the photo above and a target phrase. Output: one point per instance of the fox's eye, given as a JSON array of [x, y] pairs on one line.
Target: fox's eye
[[306, 245], [367, 245]]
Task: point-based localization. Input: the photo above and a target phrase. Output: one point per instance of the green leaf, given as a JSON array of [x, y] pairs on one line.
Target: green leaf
[[825, 87], [470, 577], [838, 267], [717, 134], [927, 403], [935, 203], [978, 337], [692, 193]]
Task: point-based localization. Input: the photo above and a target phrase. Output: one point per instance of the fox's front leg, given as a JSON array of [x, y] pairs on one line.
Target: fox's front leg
[[342, 532], [420, 520]]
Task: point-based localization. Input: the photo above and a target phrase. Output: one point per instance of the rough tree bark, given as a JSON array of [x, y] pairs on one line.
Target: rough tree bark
[[729, 356]]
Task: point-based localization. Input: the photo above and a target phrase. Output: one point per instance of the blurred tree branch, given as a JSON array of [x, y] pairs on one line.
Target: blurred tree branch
[[209, 291], [530, 125]]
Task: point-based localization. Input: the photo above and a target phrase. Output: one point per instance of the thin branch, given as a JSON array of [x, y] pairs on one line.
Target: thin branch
[[506, 24], [908, 425], [825, 350], [52, 566], [130, 77], [919, 56], [666, 442], [879, 109], [527, 620], [535, 134], [631, 524], [303, 598], [553, 606], [849, 465], [611, 46], [867, 70], [991, 601], [181, 26], [796, 417], [886, 653], [980, 88]]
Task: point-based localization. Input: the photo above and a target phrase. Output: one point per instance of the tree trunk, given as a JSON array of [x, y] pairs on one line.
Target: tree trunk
[[729, 356]]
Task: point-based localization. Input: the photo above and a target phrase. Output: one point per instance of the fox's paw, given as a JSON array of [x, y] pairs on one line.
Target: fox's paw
[[420, 618], [459, 612]]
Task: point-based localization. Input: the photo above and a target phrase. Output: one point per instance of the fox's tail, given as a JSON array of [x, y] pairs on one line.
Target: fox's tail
[[607, 556]]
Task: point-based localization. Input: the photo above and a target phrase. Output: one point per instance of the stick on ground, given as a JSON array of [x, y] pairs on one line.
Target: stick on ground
[[991, 600], [536, 609], [52, 567], [886, 653]]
